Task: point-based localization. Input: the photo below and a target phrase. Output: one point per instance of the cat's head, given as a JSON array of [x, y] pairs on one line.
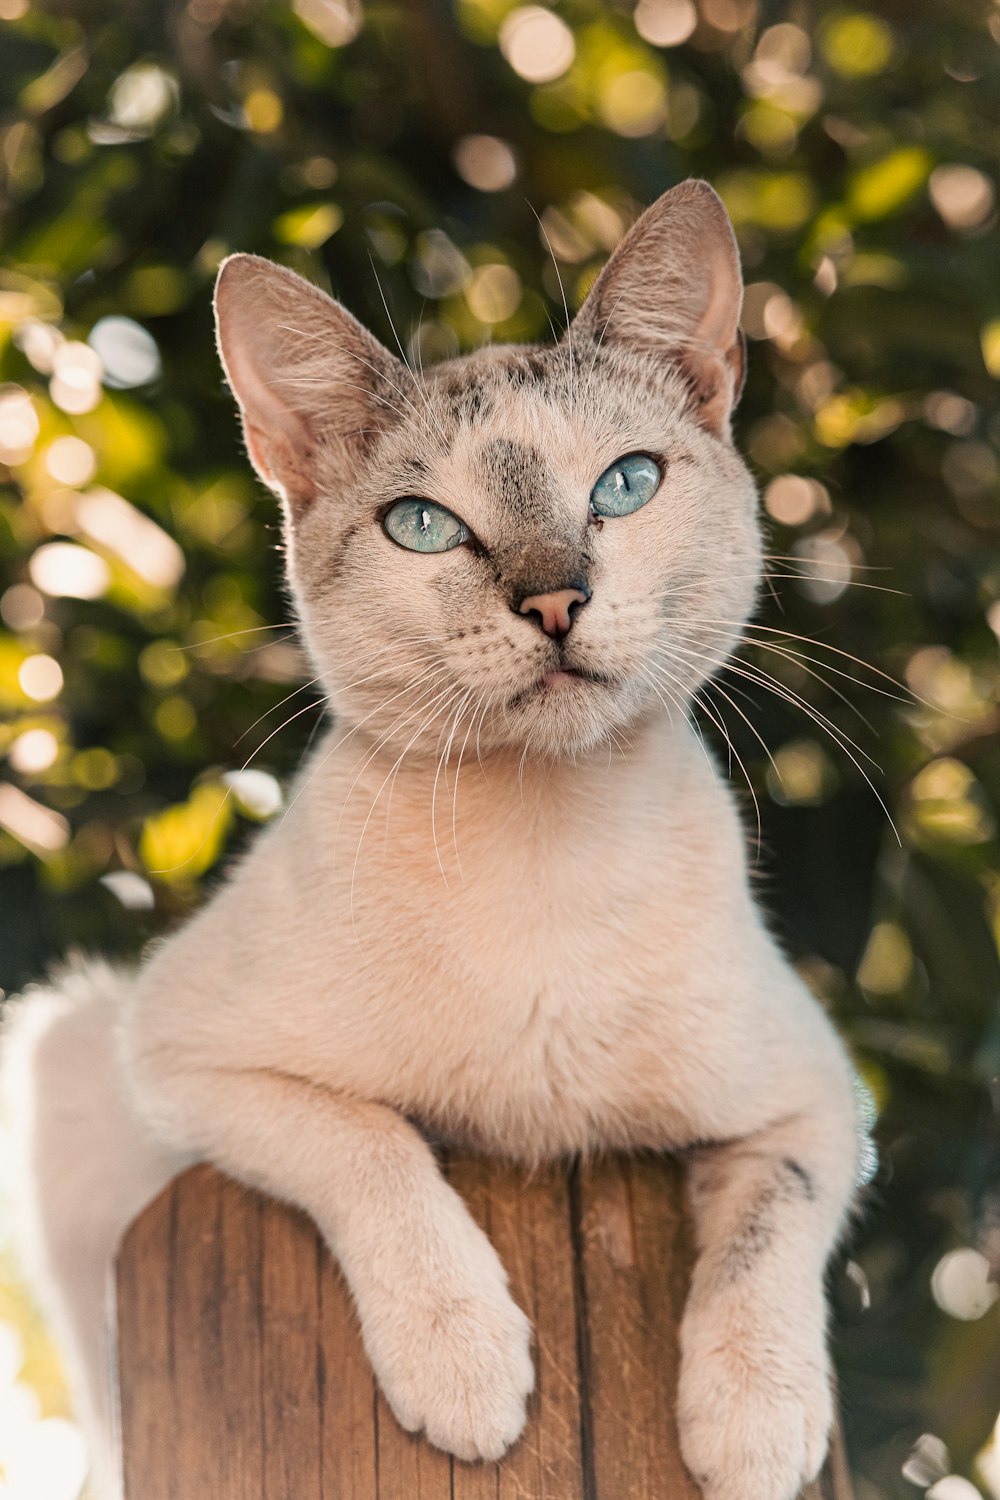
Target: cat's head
[[534, 547]]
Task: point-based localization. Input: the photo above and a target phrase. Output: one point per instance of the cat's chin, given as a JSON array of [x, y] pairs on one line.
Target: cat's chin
[[567, 712]]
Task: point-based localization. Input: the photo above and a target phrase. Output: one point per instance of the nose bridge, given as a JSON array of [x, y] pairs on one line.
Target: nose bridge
[[543, 568], [547, 583]]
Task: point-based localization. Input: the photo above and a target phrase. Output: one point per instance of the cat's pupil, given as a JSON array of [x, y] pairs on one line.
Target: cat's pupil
[[425, 520]]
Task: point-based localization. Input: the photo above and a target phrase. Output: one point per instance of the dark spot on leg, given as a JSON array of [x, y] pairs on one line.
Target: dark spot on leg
[[754, 1236], [790, 1181], [802, 1179]]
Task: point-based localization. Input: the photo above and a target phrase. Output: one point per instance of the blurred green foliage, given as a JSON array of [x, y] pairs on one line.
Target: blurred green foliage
[[449, 165]]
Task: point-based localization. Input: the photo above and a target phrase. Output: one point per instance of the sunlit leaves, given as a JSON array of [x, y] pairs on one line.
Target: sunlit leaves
[[856, 416], [482, 19], [887, 962], [779, 201], [883, 186], [262, 110], [990, 340], [801, 774], [182, 842], [309, 226], [856, 44], [948, 805], [140, 99], [537, 43], [12, 657]]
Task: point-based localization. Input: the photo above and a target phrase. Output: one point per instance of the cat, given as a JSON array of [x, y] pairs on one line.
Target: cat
[[508, 899]]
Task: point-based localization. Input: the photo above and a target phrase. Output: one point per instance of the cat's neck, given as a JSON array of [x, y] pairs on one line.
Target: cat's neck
[[499, 823], [351, 768]]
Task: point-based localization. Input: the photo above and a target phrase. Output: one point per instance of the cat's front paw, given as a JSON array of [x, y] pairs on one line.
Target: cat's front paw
[[456, 1364], [754, 1417]]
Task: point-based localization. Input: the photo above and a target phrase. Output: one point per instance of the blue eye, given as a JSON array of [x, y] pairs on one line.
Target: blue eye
[[422, 526], [626, 486]]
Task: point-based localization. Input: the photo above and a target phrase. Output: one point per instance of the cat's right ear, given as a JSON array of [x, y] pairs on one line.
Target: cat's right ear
[[311, 383]]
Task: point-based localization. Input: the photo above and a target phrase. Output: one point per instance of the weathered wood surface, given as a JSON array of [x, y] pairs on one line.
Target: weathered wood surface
[[242, 1374]]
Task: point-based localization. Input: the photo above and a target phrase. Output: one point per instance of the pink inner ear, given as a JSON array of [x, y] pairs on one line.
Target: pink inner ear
[[283, 465], [716, 382], [719, 323]]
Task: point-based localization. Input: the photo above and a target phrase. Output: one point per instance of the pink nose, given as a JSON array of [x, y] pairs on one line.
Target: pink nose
[[553, 610]]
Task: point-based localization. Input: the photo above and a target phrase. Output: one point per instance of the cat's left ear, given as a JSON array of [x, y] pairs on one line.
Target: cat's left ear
[[674, 288], [312, 384]]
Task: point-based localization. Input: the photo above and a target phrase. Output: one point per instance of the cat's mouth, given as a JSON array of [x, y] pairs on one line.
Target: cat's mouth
[[561, 679]]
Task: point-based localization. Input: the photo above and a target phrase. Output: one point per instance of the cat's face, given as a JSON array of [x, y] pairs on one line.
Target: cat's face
[[473, 566]]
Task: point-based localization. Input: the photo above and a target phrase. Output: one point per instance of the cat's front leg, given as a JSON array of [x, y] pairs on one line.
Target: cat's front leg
[[450, 1348], [755, 1401]]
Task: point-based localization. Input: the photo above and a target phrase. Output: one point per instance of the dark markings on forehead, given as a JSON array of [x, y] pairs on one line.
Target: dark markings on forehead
[[412, 473], [475, 402], [467, 398], [517, 475], [528, 369]]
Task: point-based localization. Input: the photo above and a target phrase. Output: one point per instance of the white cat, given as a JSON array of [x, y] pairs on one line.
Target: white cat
[[509, 896]]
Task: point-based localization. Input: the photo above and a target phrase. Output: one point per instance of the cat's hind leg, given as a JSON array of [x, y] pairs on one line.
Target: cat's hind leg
[[82, 1166]]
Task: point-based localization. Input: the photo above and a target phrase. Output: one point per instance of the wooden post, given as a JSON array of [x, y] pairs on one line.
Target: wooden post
[[242, 1374]]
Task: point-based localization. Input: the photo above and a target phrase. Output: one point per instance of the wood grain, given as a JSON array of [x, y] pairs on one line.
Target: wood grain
[[634, 1257], [529, 1223], [242, 1374]]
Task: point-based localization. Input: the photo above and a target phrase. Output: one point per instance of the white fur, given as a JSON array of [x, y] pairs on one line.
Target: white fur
[[84, 1165], [515, 911]]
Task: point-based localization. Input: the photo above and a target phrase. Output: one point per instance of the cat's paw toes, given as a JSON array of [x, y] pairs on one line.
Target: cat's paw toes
[[753, 1429], [460, 1372]]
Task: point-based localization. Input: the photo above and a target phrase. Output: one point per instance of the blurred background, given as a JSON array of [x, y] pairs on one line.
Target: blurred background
[[449, 163]]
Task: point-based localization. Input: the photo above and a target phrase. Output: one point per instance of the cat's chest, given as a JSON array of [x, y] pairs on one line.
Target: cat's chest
[[540, 1024], [526, 994], [523, 969], [556, 910]]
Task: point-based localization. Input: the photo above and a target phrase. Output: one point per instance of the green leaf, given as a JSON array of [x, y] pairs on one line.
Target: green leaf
[[884, 186], [182, 842]]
